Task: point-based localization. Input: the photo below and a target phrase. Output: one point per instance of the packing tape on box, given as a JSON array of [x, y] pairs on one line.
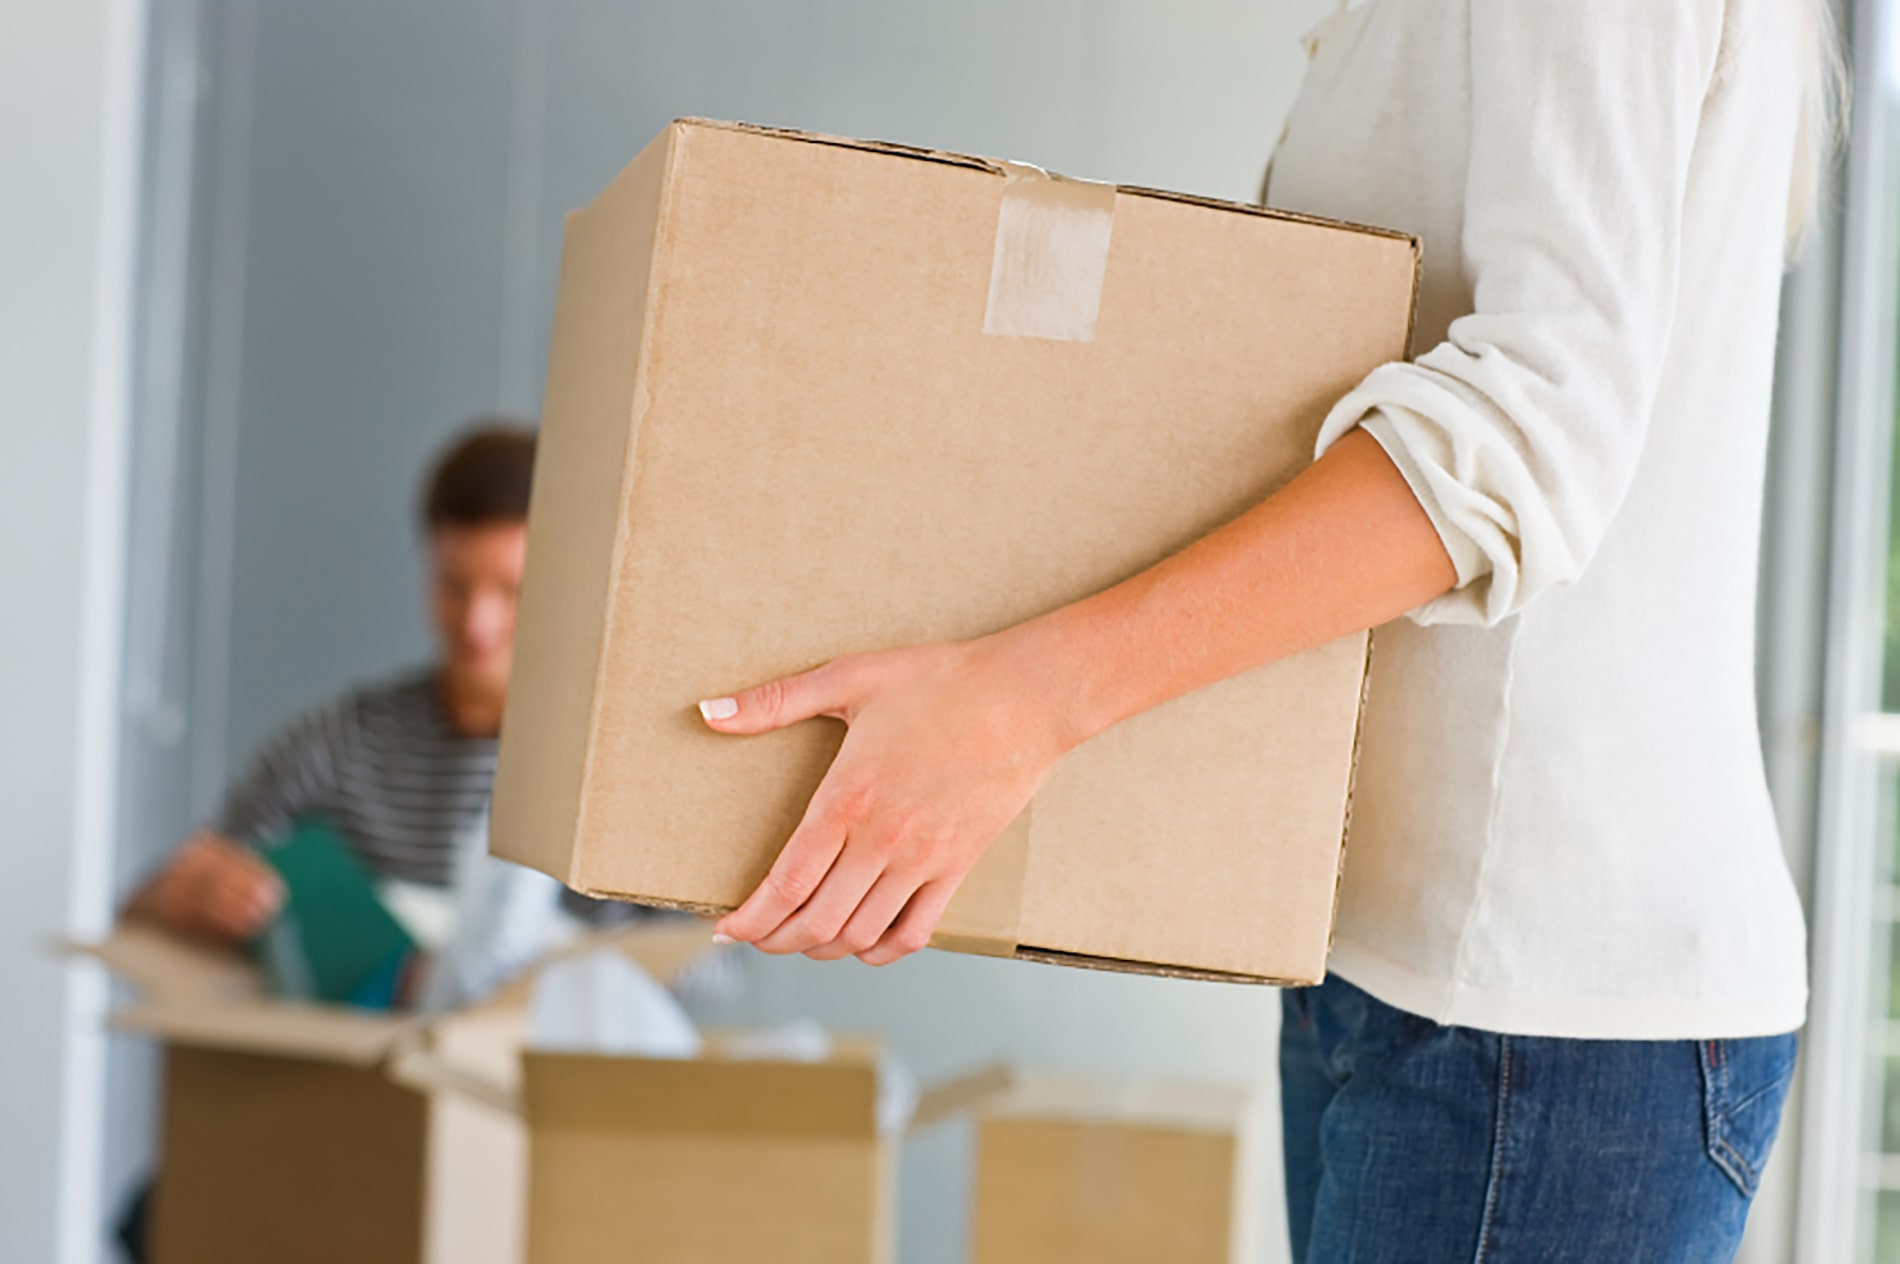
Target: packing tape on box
[[1051, 256], [985, 915]]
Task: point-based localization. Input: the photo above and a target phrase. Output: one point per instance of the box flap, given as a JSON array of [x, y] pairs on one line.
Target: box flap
[[960, 1094], [1181, 1105], [161, 964], [327, 1033], [201, 996]]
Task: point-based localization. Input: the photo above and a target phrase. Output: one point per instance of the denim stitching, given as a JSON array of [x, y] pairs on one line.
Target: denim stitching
[[1732, 1161], [1499, 1130], [1717, 1113], [1776, 1085]]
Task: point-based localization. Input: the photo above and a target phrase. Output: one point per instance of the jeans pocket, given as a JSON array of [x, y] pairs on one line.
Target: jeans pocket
[[1744, 1083]]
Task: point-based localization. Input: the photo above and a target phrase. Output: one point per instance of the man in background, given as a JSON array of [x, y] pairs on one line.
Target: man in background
[[402, 768]]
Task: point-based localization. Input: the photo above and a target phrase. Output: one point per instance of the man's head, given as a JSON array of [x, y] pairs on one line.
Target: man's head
[[475, 514]]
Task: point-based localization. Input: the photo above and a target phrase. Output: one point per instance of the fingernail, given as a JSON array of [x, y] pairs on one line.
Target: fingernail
[[719, 708], [723, 939]]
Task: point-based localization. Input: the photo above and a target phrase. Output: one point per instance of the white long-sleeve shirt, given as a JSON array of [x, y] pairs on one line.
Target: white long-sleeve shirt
[[1561, 824]]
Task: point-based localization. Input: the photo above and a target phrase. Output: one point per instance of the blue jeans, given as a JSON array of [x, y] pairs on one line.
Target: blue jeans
[[1411, 1142]]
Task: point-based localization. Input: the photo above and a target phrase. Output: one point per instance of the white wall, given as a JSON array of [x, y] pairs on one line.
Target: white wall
[[68, 78]]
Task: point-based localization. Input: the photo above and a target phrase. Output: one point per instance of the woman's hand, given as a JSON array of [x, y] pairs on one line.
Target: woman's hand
[[945, 745]]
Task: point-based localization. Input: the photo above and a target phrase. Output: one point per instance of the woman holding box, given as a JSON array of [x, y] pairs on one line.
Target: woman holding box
[[1569, 961]]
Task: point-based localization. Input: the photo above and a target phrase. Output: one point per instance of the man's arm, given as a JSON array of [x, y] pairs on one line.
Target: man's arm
[[215, 886]]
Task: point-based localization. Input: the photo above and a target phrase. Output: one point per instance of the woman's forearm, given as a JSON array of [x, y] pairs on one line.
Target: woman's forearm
[[1343, 547], [945, 743]]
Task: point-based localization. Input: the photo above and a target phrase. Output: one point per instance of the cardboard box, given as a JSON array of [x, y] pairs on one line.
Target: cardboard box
[[1092, 1170], [711, 1160], [285, 1139], [811, 396]]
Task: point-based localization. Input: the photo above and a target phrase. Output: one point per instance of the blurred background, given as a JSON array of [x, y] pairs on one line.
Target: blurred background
[[261, 258]]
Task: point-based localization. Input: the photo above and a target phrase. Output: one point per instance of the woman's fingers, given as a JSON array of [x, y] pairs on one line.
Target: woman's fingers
[[826, 911], [912, 930], [807, 857], [777, 703], [873, 916]]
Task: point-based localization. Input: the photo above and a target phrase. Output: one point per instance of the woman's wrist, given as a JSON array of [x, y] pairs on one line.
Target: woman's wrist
[[1046, 668]]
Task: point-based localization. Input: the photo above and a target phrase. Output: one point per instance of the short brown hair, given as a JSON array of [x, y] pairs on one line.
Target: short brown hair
[[483, 477]]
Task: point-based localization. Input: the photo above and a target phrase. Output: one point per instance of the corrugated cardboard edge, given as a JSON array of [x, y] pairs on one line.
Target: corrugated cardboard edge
[[662, 217], [656, 902], [893, 148], [1117, 965], [978, 947], [1352, 785]]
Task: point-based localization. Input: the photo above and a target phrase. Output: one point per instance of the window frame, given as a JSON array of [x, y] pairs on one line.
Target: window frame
[[1857, 745]]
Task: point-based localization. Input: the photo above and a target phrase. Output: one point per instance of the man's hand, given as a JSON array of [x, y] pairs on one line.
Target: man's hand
[[213, 889]]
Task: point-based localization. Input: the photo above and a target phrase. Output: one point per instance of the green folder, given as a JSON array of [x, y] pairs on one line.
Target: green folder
[[334, 939]]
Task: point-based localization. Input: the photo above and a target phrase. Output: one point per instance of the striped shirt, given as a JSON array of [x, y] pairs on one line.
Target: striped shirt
[[383, 764]]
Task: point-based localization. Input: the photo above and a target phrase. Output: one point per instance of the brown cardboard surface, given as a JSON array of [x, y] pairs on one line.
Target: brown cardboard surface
[[776, 432], [707, 1161], [1105, 1171], [290, 1160], [606, 1197]]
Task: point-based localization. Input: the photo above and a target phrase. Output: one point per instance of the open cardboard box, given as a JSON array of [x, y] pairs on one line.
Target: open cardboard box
[[710, 1160], [286, 1139], [810, 396], [1090, 1169]]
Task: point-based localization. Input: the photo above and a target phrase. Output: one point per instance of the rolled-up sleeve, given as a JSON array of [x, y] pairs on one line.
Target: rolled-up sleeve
[[1520, 433]]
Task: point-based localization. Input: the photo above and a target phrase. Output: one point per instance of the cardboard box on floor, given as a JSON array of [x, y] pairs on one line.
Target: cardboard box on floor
[[811, 396], [284, 1137], [712, 1160], [1097, 1170]]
